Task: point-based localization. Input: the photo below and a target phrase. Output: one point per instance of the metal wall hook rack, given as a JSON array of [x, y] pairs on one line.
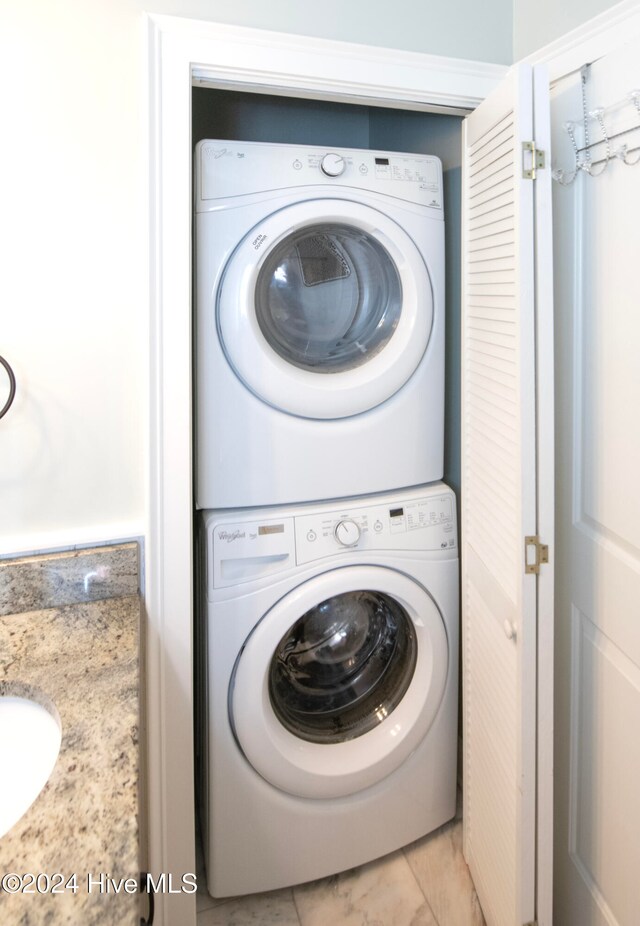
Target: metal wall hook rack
[[12, 387], [583, 161]]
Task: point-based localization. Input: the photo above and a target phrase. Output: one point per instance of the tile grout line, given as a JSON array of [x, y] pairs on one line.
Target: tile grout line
[[426, 899], [295, 905]]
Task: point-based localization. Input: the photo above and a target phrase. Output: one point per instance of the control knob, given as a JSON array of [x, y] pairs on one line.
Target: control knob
[[333, 165], [347, 532]]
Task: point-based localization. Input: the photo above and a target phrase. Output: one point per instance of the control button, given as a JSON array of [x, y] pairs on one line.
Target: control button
[[363, 169], [333, 165], [347, 533], [311, 536], [297, 165], [377, 526]]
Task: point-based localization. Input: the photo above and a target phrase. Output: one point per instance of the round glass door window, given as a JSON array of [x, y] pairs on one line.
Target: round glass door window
[[325, 308], [343, 667], [339, 681], [328, 298]]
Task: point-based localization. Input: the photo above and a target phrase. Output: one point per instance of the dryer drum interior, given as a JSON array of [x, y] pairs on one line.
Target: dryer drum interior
[[343, 667], [328, 297]]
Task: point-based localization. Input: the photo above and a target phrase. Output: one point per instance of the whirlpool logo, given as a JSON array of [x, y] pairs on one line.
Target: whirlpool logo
[[230, 536]]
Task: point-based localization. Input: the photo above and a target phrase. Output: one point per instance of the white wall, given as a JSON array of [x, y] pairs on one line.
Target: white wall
[[74, 284], [537, 24]]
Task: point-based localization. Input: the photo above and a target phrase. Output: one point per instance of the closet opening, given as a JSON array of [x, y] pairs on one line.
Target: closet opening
[[232, 115]]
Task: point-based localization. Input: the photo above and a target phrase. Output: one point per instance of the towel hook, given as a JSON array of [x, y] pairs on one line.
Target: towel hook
[[623, 153], [12, 387]]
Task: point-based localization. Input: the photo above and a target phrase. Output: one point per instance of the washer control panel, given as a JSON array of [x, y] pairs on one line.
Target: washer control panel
[[418, 524]]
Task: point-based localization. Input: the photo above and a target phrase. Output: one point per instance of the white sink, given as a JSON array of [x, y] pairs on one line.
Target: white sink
[[29, 745]]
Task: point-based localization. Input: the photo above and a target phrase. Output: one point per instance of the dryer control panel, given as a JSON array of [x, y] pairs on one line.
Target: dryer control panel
[[419, 524], [231, 168]]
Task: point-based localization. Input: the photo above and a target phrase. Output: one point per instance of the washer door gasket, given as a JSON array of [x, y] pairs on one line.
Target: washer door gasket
[[340, 681]]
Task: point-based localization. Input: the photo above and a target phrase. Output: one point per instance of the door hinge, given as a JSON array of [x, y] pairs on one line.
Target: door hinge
[[535, 555], [532, 160]]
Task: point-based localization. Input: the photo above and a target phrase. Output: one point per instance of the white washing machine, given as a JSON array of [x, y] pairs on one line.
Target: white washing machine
[[332, 674], [320, 322]]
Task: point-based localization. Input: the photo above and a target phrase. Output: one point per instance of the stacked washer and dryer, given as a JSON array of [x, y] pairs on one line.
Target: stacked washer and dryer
[[328, 589]]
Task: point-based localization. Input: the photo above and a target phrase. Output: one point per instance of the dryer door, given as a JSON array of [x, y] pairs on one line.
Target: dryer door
[[340, 681], [325, 308]]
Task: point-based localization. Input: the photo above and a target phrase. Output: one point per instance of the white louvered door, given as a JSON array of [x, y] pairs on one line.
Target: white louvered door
[[506, 442]]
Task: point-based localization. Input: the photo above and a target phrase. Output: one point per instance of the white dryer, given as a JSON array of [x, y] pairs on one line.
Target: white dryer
[[320, 322], [332, 676]]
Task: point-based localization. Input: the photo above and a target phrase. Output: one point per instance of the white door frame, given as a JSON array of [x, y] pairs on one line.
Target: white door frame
[[182, 51]]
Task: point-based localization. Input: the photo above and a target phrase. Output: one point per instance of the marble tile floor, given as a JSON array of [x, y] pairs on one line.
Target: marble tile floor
[[425, 884]]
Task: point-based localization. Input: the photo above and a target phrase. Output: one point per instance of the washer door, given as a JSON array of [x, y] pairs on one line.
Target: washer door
[[325, 308], [340, 681]]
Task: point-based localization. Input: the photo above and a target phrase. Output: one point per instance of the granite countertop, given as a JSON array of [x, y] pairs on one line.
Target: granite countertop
[[83, 659]]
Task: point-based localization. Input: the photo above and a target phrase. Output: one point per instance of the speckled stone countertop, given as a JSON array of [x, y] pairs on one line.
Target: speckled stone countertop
[[83, 658], [49, 580]]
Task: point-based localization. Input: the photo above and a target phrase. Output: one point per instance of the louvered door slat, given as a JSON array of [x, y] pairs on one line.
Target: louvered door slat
[[499, 156], [483, 264], [498, 223], [498, 328], [490, 385], [487, 204], [504, 247], [483, 276], [493, 135], [496, 172], [488, 348], [491, 404], [491, 306], [488, 372]]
